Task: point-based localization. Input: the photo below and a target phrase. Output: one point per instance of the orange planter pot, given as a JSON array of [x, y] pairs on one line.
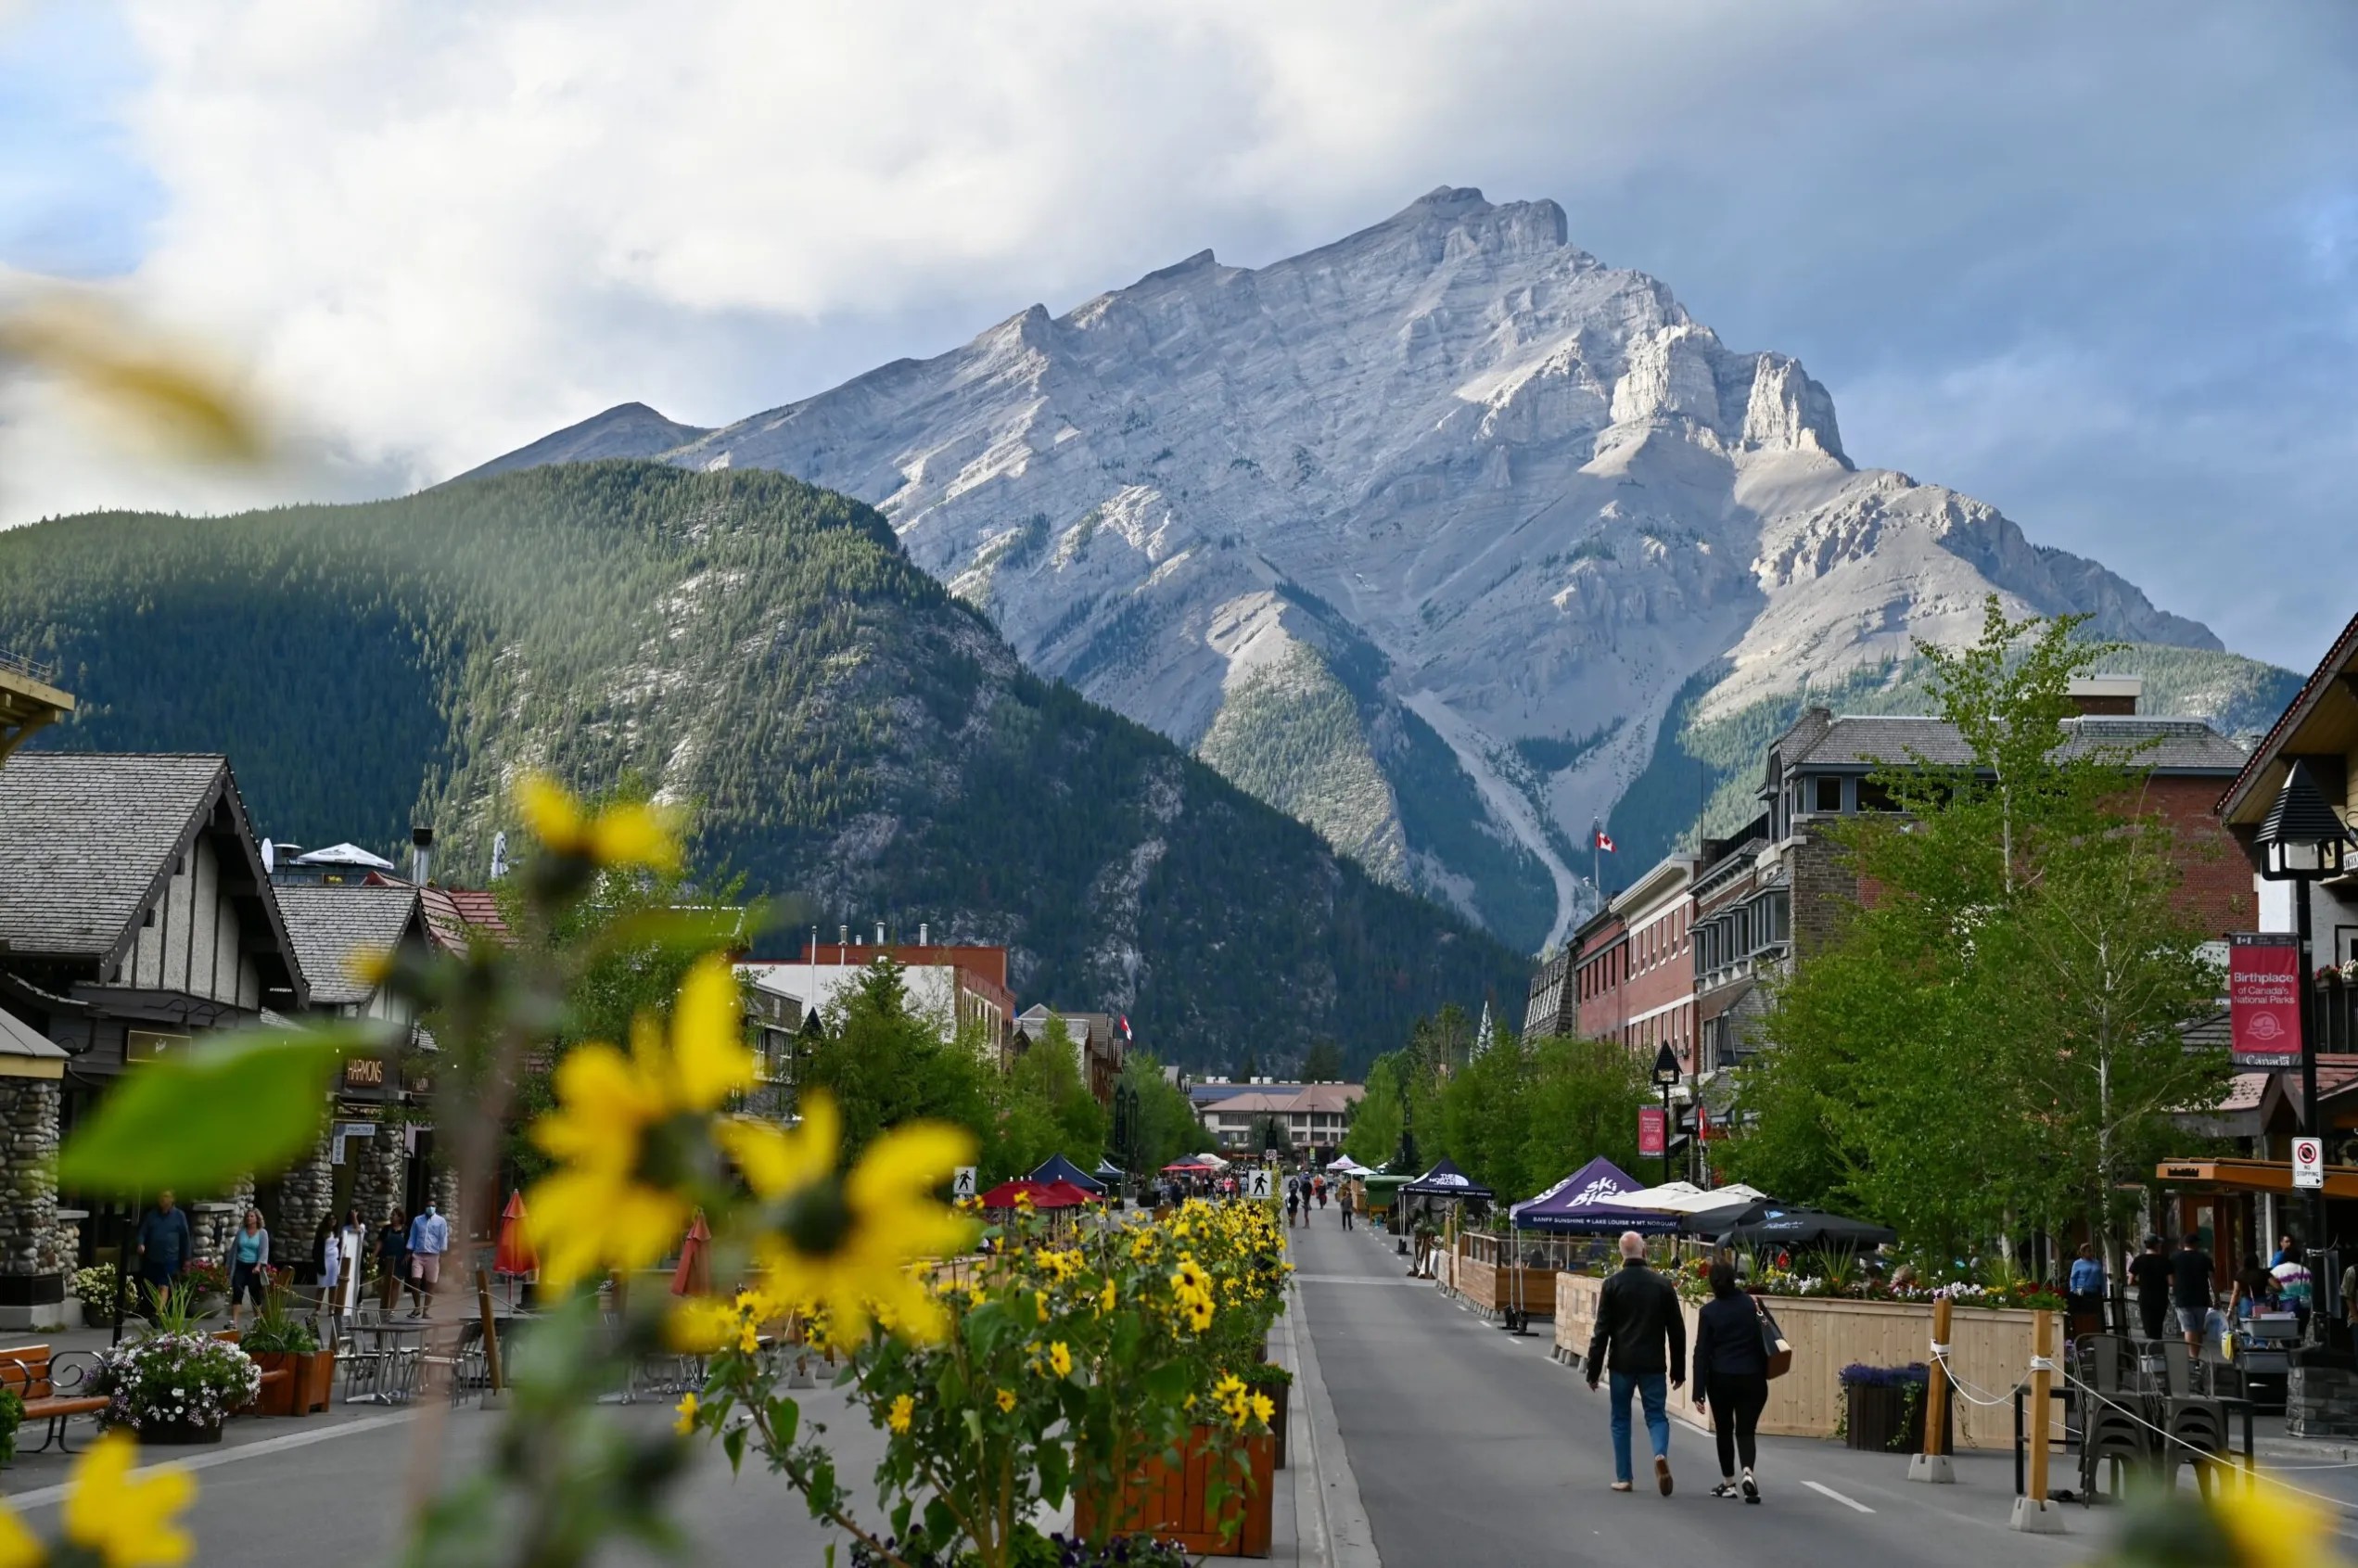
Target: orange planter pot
[[315, 1382], [1171, 1501], [277, 1397]]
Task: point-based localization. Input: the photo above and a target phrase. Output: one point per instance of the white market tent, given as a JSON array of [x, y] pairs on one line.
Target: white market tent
[[1684, 1197]]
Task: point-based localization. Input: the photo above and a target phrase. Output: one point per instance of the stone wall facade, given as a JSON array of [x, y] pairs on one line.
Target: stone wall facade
[[305, 1193], [380, 1176], [31, 1242]]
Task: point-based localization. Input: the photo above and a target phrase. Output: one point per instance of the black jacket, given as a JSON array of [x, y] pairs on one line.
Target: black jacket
[[1637, 1312], [1727, 1338]]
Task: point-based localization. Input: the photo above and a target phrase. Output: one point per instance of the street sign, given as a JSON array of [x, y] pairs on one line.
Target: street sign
[[1259, 1185], [2308, 1162], [963, 1184]]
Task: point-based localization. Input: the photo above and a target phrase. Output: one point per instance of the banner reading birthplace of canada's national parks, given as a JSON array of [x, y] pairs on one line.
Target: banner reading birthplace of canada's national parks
[[2263, 999]]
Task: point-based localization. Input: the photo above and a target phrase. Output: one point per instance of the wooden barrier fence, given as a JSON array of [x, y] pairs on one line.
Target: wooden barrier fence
[[1989, 1350]]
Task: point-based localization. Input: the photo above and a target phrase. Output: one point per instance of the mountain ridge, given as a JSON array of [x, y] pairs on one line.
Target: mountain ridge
[[1532, 497]]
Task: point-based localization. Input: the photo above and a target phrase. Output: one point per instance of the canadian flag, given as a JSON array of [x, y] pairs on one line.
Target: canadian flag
[[1604, 841]]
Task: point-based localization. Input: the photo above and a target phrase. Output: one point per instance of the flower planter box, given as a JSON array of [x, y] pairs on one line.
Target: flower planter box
[[277, 1397], [178, 1431], [315, 1382], [1884, 1420], [1171, 1503]]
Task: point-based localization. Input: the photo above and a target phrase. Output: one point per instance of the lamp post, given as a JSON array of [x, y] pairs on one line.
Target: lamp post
[[2301, 841], [1666, 1076]]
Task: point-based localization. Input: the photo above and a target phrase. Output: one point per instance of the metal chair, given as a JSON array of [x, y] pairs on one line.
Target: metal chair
[[2116, 1413]]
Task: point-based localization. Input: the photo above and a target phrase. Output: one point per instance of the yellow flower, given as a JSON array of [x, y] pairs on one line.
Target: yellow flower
[[1040, 1302], [2268, 1523], [903, 1407], [1199, 1314], [1023, 1200], [1061, 1358], [126, 1522], [687, 1409], [626, 833], [1229, 1388], [844, 1242], [595, 1210], [1105, 1299], [1264, 1407], [1191, 1280], [1006, 1400]]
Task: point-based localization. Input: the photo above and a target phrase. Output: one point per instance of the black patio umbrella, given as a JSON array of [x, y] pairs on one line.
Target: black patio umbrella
[[1765, 1222]]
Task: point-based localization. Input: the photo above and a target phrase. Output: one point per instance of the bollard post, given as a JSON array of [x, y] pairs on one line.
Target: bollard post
[[1933, 1465], [2033, 1514], [495, 1395]]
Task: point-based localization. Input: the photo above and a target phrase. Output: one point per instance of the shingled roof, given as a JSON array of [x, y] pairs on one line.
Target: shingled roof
[[1863, 740], [87, 838], [332, 925]]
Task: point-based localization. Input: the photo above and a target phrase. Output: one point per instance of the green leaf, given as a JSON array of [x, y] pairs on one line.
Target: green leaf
[[248, 1101], [732, 1443], [785, 1419], [941, 1525], [1055, 1474]]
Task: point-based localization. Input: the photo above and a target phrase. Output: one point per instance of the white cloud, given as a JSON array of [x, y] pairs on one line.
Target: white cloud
[[437, 232]]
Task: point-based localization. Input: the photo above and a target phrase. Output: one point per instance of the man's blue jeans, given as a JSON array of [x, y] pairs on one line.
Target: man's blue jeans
[[1653, 1391]]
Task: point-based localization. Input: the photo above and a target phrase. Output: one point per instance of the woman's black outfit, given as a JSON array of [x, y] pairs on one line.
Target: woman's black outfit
[[1731, 1366]]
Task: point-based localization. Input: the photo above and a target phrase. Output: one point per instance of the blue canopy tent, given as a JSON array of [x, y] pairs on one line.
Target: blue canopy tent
[[1056, 1167], [1446, 1181], [1572, 1207]]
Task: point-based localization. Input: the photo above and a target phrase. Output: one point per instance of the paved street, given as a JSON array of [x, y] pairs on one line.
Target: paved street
[[1471, 1446]]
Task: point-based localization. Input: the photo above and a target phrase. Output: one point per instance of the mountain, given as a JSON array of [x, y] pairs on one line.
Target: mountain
[[859, 745], [1421, 536]]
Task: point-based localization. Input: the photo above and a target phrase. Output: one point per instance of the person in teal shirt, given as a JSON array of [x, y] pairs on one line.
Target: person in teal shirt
[[249, 1264]]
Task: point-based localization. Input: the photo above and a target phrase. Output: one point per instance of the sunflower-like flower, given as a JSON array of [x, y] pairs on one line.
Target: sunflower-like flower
[[601, 1209], [116, 1520], [844, 1242], [685, 1415], [1060, 1358], [1264, 1408], [1105, 1297], [1006, 1400], [897, 1418], [626, 833]]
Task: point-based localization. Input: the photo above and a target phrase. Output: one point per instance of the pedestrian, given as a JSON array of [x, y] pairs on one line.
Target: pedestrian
[[1343, 1202], [2294, 1285], [166, 1246], [2284, 1245], [2253, 1291], [331, 1263], [1293, 1202], [249, 1264], [1640, 1339], [2086, 1304], [392, 1257], [2149, 1271], [429, 1238], [2191, 1290], [1731, 1377], [2350, 1298]]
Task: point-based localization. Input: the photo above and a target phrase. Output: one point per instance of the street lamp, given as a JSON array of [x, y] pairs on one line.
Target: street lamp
[[2301, 841], [1666, 1076]]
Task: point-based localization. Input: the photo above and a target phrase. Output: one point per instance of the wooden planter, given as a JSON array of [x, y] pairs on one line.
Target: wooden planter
[[277, 1397], [1882, 1420], [1277, 1392], [313, 1386], [1170, 1501], [178, 1431]]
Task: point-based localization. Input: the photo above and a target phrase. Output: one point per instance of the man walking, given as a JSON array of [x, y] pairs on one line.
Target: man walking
[[1640, 1337], [2149, 1271], [429, 1238], [1343, 1199], [2194, 1293], [166, 1246]]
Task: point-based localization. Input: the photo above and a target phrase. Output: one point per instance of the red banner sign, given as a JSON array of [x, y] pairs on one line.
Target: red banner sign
[[2263, 999], [1653, 1135]]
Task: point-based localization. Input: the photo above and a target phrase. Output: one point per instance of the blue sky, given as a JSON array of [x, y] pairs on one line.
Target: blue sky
[[2095, 265]]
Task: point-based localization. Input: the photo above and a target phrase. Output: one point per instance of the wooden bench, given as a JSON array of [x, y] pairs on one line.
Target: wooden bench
[[30, 1371]]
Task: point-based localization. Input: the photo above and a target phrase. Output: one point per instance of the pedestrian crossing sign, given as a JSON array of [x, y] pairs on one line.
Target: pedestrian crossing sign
[[963, 1184], [1260, 1186]]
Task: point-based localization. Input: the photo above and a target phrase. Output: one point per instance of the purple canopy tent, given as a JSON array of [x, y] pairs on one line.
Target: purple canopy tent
[[1571, 1206]]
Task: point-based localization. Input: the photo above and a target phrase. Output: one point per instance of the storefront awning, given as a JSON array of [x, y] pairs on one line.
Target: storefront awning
[[2250, 1176]]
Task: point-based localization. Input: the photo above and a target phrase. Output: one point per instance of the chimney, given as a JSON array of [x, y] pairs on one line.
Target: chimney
[[421, 854], [923, 932], [880, 933], [2106, 696]]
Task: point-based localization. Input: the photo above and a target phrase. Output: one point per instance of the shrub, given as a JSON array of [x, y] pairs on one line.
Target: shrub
[[174, 1380]]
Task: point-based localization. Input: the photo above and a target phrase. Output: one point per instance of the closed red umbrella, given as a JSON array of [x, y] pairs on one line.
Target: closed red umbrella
[[694, 1276], [514, 1254]]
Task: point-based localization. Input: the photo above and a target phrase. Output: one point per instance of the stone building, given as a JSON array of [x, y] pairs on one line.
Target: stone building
[[135, 916]]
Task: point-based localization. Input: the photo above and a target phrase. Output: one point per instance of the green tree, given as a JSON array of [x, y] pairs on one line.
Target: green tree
[[1374, 1135], [886, 1064], [1583, 1102], [1486, 1116], [1045, 1108], [1322, 1063], [1992, 1043]]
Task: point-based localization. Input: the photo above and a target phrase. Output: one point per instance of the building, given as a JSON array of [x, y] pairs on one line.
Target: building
[[1601, 962], [1099, 1041], [1554, 1006], [135, 916], [960, 989], [1656, 994], [1311, 1116], [1742, 928]]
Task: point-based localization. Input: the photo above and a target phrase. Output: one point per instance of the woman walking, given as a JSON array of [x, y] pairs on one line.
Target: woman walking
[[1731, 1375], [392, 1258], [249, 1264]]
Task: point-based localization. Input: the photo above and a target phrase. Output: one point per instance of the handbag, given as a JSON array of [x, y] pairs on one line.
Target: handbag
[[1773, 1343]]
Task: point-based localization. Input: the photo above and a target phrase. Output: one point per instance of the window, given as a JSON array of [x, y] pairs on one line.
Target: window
[[1830, 792], [1874, 795]]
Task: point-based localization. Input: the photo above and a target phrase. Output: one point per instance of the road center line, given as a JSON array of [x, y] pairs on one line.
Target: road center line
[[41, 1495], [1846, 1502]]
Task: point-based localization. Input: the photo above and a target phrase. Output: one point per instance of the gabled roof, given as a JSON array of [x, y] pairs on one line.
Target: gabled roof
[[331, 926], [451, 913], [88, 840], [2330, 686], [1861, 742]]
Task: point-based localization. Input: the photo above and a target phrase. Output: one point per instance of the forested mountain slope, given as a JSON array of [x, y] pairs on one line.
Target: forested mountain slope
[[858, 743]]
